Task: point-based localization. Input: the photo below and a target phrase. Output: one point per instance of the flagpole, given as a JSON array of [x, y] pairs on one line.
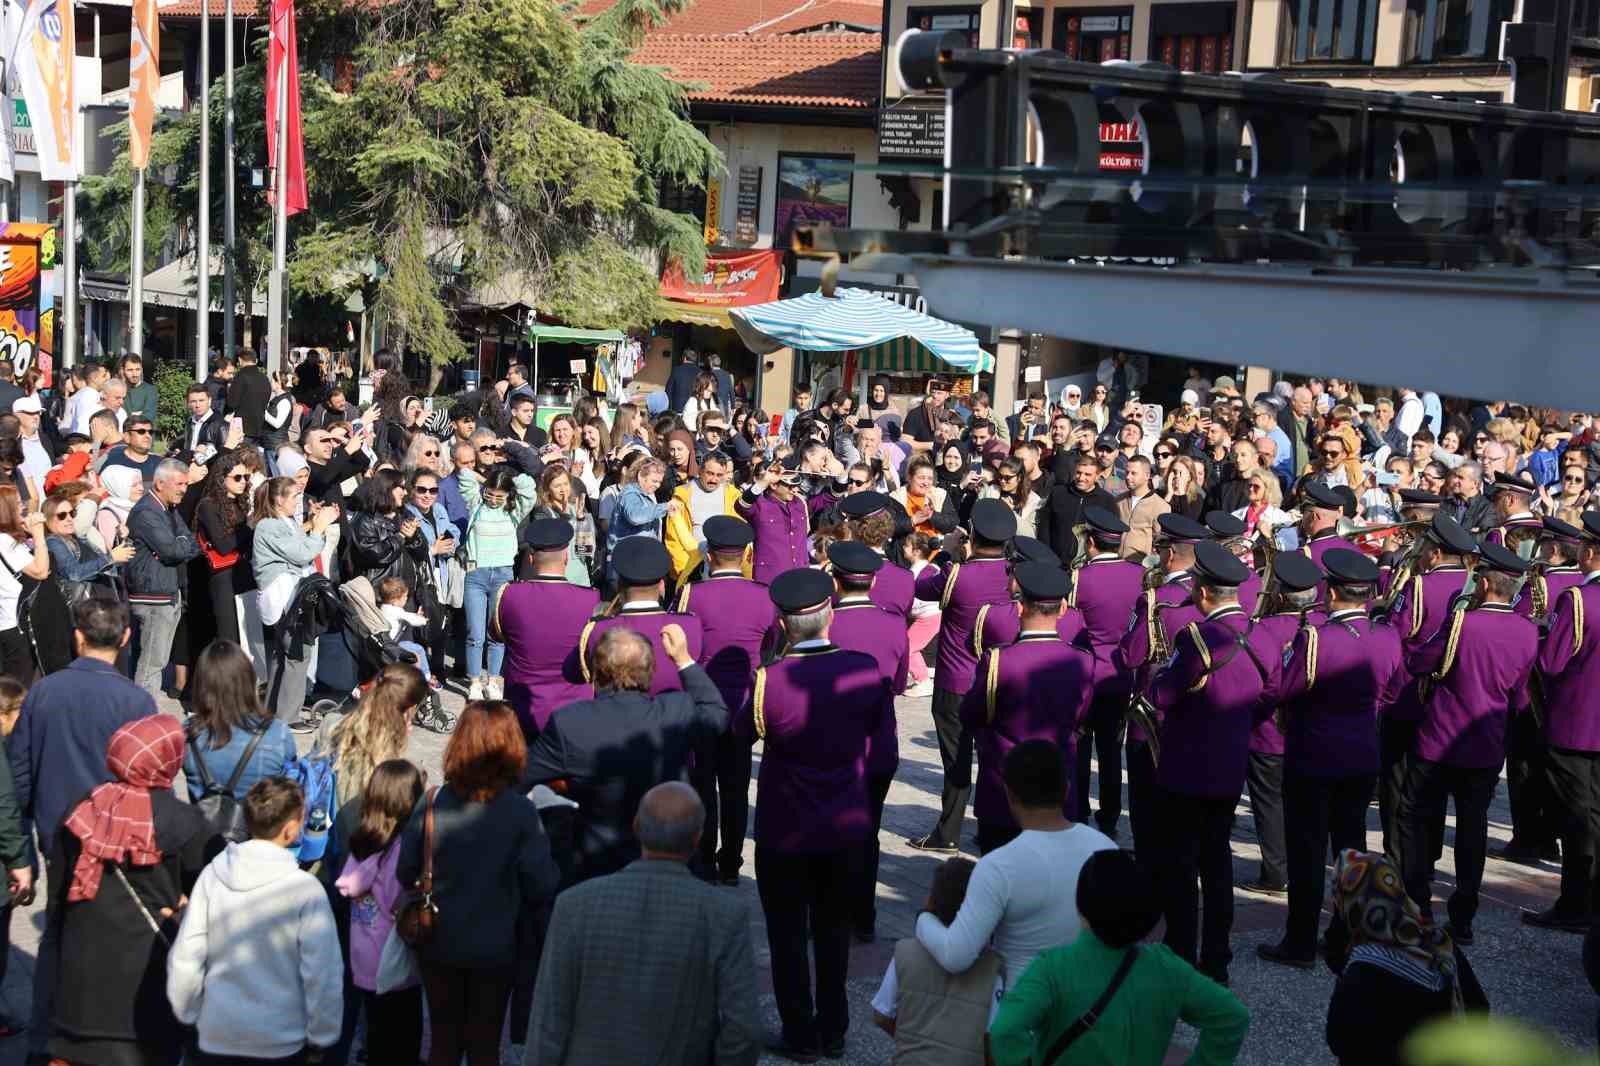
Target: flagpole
[[136, 268], [202, 258], [230, 175], [69, 270], [280, 222]]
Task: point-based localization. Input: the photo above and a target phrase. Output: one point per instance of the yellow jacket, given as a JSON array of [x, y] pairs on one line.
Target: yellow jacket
[[682, 548]]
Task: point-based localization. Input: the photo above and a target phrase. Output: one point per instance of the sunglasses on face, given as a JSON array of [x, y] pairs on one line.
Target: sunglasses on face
[[430, 455], [145, 432], [860, 484], [238, 477], [60, 515], [426, 490], [1163, 455], [1333, 454], [1573, 480]]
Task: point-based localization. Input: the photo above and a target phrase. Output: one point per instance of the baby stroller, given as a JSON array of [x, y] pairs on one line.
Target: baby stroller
[[366, 635]]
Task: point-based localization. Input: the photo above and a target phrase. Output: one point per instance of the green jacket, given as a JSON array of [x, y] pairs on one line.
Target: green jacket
[[1136, 1028], [142, 400]]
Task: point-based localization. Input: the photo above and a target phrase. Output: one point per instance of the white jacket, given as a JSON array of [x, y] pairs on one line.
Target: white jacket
[[256, 965]]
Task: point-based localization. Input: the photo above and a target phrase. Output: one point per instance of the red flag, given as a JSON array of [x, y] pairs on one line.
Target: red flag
[[283, 56]]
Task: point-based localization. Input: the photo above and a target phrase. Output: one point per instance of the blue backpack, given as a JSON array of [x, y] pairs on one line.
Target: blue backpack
[[314, 774]]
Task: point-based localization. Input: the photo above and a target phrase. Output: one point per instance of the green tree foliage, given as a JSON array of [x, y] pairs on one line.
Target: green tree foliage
[[510, 143]]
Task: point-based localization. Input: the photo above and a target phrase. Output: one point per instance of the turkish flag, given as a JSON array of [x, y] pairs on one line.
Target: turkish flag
[[283, 59]]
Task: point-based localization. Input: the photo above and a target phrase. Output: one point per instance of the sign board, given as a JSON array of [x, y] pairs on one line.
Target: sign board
[[27, 296], [1032, 374], [911, 132], [713, 210], [1100, 23], [1128, 153], [747, 218], [22, 128], [577, 366], [730, 279]]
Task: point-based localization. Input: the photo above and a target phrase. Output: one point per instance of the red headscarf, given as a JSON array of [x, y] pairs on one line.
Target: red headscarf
[[116, 823]]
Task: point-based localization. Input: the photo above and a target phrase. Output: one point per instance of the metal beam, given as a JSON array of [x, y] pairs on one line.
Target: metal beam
[[1525, 335]]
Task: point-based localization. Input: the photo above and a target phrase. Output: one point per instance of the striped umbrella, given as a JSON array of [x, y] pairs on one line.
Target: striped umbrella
[[892, 336]]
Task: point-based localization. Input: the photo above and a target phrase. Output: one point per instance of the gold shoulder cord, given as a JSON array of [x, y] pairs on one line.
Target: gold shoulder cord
[[1540, 595], [1416, 605], [1072, 593], [977, 629], [1205, 656], [992, 683], [683, 599], [1152, 631], [1451, 646], [1576, 592], [583, 648], [1312, 640], [758, 702], [949, 586]]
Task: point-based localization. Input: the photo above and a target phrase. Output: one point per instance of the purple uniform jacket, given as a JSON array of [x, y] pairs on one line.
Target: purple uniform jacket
[[737, 621], [1266, 738], [976, 582], [894, 590], [1464, 712], [1336, 677], [1556, 580], [1038, 688], [1419, 610], [1001, 624], [1105, 591], [1250, 592], [816, 711], [780, 529], [1570, 662], [649, 624], [539, 621], [1319, 546], [1175, 609], [865, 627], [1208, 711]]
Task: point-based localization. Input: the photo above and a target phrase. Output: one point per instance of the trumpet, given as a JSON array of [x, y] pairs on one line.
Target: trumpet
[[1350, 528]]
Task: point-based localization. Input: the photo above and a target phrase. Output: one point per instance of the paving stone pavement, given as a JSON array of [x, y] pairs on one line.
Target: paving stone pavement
[[1533, 975]]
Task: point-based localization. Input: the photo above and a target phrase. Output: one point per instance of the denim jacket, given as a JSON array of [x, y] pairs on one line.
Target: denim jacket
[[636, 513]]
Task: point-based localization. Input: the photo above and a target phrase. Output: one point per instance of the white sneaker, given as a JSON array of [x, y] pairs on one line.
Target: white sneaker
[[496, 689], [475, 690]]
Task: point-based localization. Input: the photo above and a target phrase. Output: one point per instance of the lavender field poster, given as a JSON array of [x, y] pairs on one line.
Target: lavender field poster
[[811, 189]]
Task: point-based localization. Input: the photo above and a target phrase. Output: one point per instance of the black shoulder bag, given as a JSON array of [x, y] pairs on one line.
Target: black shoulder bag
[[222, 810], [1092, 1015]]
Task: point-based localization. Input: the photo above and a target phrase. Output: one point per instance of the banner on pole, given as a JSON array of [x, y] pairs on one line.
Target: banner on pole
[[144, 78], [283, 60], [41, 61]]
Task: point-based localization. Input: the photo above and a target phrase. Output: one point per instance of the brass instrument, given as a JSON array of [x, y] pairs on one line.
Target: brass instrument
[[1405, 569], [1140, 710]]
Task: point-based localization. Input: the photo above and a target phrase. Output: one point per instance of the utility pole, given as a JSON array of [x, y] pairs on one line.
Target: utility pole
[[202, 256], [230, 170]]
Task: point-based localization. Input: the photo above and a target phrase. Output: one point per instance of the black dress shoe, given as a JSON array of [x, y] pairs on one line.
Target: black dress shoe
[[1276, 953], [833, 1049], [933, 843], [1553, 919], [785, 1050], [1517, 853], [1263, 888]]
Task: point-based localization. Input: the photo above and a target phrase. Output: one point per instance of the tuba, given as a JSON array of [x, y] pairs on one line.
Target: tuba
[[1140, 710]]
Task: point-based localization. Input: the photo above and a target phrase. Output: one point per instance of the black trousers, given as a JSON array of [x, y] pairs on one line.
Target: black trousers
[[220, 587], [955, 753], [16, 656], [1103, 738], [864, 914], [1534, 819], [394, 1025], [1429, 786], [1142, 810], [992, 835], [1264, 776], [1193, 841], [806, 900], [1574, 782], [722, 778], [1318, 812], [1396, 741]]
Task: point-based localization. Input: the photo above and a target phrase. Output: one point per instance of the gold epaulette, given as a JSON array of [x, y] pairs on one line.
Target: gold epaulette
[[583, 649], [992, 684], [1205, 655], [757, 702]]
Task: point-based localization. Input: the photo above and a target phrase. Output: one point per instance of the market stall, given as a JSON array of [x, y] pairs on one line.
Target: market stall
[[611, 349]]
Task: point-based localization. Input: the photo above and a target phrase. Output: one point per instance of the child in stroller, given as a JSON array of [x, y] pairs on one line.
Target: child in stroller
[[368, 634]]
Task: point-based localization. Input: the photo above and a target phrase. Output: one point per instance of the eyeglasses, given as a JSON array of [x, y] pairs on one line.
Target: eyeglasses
[[488, 448], [1007, 477], [426, 490], [430, 455], [145, 432], [1573, 480], [59, 515]]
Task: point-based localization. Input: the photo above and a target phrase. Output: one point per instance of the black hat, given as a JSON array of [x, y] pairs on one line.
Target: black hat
[[863, 504], [1106, 442], [1103, 524], [790, 462], [1348, 495], [1508, 483], [1495, 557], [1347, 567], [1296, 572], [1591, 525], [853, 557], [1323, 496], [801, 591], [640, 561], [724, 531], [1033, 550], [993, 521], [1041, 582], [1419, 498], [1224, 524], [1448, 534], [547, 534], [1217, 565], [1176, 529], [1560, 530]]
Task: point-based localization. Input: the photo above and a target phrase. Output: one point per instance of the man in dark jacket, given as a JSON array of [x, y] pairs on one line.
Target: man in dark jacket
[[330, 466], [222, 371], [156, 574], [1076, 487], [57, 754], [616, 747], [680, 384], [248, 394]]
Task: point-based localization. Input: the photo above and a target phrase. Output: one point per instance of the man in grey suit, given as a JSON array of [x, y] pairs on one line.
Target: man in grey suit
[[649, 964]]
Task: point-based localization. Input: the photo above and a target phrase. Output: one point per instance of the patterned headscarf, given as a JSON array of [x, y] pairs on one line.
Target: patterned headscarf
[[1369, 894], [116, 823]]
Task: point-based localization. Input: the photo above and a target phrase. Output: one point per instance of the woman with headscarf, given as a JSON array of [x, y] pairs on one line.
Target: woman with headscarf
[[956, 477], [1397, 971], [1072, 401], [135, 851], [124, 485]]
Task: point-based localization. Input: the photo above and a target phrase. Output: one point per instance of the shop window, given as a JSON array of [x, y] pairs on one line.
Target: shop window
[[1027, 29], [943, 19], [1193, 37], [1094, 35], [1439, 30], [1327, 31]]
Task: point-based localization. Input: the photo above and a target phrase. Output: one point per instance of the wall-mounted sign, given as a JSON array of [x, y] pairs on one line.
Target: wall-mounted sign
[[912, 133], [713, 210], [747, 220], [22, 128], [1128, 151]]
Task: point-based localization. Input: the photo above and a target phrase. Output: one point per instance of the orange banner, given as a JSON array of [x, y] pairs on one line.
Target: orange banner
[[144, 77], [731, 279]]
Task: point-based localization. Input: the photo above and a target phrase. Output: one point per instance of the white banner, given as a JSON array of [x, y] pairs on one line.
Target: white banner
[[41, 63]]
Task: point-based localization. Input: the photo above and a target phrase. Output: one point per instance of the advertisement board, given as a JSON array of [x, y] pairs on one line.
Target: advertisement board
[[27, 296]]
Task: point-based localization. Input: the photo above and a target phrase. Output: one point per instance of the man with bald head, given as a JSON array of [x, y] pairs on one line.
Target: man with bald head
[[613, 748], [649, 963], [1298, 422]]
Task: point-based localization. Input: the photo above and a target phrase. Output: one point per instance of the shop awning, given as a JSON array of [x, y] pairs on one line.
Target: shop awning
[[906, 356], [856, 320], [693, 314], [541, 332]]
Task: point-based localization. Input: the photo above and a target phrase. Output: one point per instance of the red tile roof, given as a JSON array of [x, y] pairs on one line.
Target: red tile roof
[[760, 16], [821, 13], [219, 9], [815, 70]]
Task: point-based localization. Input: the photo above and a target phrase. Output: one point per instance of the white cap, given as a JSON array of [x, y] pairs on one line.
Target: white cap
[[29, 404], [1190, 396]]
